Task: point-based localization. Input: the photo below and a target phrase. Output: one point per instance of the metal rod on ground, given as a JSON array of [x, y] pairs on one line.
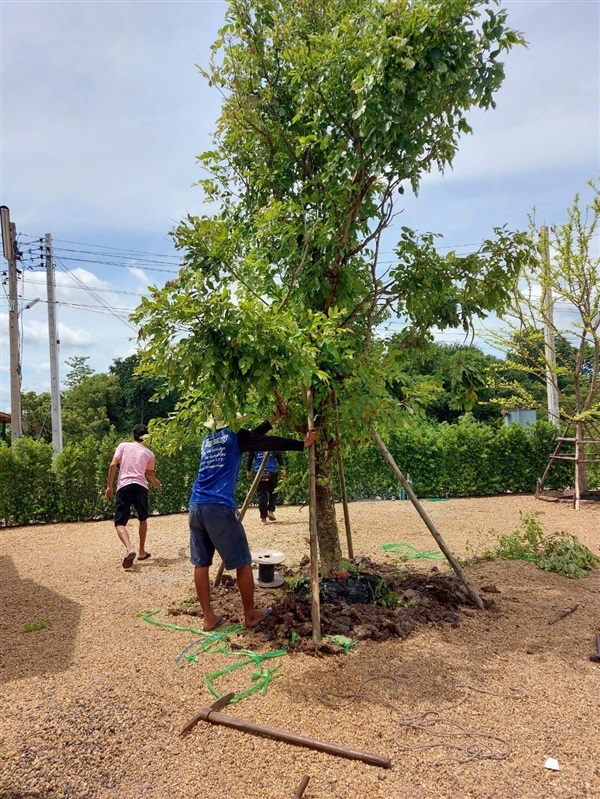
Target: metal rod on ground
[[302, 787], [245, 507], [432, 529], [214, 717], [314, 548], [338, 450]]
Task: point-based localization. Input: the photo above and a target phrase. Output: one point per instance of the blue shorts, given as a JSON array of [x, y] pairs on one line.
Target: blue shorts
[[218, 527]]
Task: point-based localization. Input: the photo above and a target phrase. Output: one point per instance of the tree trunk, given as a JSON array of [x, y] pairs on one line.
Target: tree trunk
[[330, 553]]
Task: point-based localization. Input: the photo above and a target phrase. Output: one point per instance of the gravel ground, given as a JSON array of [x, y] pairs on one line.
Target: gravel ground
[[92, 705]]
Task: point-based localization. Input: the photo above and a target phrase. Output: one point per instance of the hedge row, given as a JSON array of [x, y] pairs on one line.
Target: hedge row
[[466, 459]]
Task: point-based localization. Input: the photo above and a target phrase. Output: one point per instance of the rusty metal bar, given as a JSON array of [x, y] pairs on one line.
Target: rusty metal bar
[[214, 717]]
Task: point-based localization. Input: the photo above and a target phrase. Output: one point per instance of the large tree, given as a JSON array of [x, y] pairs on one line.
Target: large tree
[[330, 109]]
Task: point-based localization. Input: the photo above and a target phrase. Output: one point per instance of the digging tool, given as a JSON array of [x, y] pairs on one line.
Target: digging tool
[[211, 715], [224, 700]]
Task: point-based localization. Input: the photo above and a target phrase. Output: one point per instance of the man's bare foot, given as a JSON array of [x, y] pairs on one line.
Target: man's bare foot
[[257, 616], [212, 622]]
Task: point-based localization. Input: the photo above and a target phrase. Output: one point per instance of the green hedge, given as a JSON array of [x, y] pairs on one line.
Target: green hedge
[[465, 459]]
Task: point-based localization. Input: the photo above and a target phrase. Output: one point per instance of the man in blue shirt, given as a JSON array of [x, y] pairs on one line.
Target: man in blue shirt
[[267, 485], [214, 519]]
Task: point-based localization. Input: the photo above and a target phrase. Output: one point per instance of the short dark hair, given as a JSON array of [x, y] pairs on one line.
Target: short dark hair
[[139, 431]]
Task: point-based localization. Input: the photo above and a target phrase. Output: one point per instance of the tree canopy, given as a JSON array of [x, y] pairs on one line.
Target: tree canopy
[[330, 111]]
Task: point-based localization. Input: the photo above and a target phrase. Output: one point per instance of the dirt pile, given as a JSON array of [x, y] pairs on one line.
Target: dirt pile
[[371, 601]]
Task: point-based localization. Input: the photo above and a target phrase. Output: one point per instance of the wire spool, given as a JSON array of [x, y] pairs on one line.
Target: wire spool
[[267, 559]]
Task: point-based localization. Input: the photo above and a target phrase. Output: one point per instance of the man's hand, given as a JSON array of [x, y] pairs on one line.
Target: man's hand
[[249, 475], [310, 437], [283, 474], [157, 484], [108, 493]]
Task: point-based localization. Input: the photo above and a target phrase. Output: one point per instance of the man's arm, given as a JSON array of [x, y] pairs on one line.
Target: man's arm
[[251, 441], [152, 477], [249, 465], [111, 478]]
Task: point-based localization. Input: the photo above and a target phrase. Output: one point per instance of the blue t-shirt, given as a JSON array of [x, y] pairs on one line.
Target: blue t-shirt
[[219, 466], [271, 463]]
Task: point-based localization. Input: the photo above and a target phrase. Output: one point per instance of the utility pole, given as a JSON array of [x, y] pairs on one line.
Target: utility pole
[[549, 335], [54, 342], [9, 239]]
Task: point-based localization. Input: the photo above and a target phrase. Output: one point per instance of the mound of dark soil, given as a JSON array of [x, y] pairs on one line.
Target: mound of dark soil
[[375, 602]]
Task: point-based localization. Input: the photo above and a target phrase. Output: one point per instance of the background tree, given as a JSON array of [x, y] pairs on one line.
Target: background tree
[[90, 408], [80, 369], [329, 110], [137, 392], [573, 276], [36, 415], [450, 379]]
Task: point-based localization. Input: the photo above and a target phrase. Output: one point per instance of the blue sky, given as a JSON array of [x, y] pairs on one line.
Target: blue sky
[[103, 112]]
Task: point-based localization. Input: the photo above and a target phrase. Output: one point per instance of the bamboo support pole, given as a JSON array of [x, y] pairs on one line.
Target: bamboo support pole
[[244, 508], [430, 525], [342, 477], [314, 548], [214, 717]]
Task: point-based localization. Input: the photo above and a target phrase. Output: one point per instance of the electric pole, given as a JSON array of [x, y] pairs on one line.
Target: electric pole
[[549, 334], [9, 239], [54, 342]]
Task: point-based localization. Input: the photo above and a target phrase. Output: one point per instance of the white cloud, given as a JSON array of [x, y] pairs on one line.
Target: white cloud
[[103, 115], [140, 275]]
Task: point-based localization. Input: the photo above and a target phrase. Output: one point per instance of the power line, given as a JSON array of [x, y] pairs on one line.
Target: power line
[[82, 288], [111, 263], [106, 247], [98, 309], [94, 296]]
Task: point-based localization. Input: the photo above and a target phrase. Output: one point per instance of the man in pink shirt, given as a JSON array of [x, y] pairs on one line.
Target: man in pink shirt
[[136, 463]]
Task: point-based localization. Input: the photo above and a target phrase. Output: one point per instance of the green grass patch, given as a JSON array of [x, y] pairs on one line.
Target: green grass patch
[[36, 625]]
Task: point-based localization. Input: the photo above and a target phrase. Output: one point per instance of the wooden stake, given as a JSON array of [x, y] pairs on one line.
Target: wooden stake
[[302, 787], [432, 529], [338, 450], [245, 507], [314, 548]]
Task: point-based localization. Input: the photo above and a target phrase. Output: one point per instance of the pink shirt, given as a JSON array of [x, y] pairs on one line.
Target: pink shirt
[[134, 459]]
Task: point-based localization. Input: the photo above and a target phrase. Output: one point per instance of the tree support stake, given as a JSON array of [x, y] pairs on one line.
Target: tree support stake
[[430, 525]]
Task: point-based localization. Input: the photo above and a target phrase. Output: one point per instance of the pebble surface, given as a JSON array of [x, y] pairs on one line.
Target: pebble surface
[[91, 706]]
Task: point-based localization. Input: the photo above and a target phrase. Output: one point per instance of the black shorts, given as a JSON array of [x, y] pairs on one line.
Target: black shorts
[[132, 494]]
